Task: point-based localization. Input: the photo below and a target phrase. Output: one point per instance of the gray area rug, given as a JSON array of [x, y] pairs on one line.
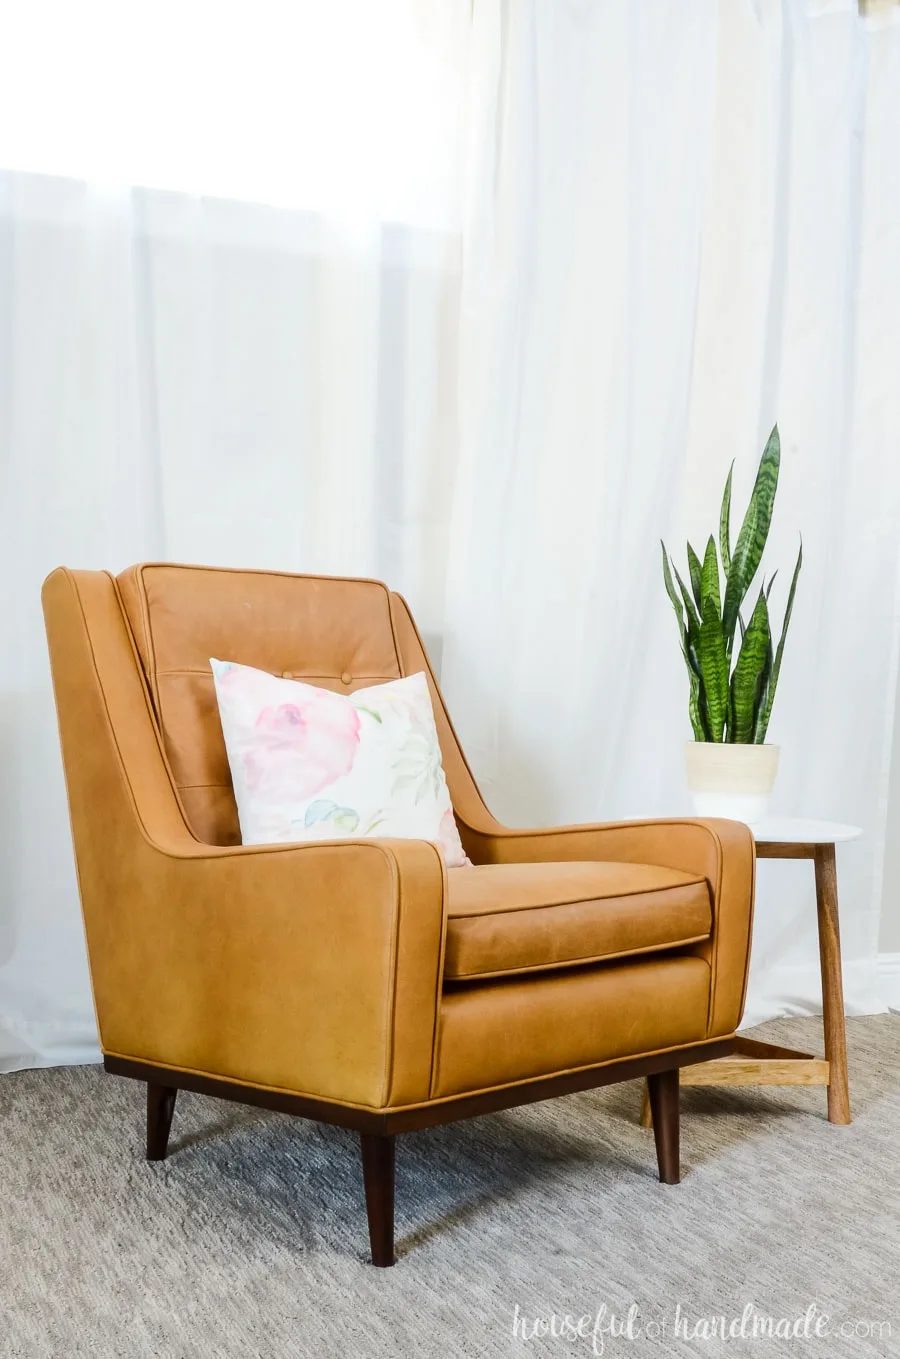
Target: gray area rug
[[251, 1240]]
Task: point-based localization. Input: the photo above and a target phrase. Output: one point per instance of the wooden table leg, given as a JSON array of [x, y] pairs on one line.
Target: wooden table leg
[[832, 985]]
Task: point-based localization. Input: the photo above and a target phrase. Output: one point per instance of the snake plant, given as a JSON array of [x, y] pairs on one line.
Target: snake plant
[[732, 689]]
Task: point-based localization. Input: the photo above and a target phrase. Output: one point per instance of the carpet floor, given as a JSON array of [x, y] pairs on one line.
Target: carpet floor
[[250, 1240]]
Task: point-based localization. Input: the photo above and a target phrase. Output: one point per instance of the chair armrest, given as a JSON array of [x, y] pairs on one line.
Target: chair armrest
[[721, 851], [314, 968]]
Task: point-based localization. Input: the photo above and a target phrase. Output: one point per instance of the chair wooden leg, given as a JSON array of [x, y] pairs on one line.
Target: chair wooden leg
[[160, 1108], [378, 1178], [663, 1091]]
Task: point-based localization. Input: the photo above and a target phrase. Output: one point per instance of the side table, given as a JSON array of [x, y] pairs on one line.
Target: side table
[[754, 1063]]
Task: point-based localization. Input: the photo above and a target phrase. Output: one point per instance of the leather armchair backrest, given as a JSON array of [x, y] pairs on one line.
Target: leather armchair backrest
[[340, 634]]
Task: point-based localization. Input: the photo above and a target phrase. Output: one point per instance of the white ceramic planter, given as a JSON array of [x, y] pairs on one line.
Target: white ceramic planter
[[730, 780]]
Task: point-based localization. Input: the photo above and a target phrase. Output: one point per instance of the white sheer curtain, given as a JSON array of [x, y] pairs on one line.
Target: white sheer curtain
[[206, 379], [679, 222], [684, 224]]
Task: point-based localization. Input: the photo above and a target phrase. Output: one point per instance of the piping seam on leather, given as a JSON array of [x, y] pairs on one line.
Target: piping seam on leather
[[151, 649], [438, 980], [390, 1001], [579, 828], [750, 916], [256, 571], [717, 931], [323, 674], [578, 901], [532, 968], [152, 711], [71, 583]]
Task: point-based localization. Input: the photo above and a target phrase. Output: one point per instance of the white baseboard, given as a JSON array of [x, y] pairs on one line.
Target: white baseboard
[[25, 1045], [871, 987], [889, 979]]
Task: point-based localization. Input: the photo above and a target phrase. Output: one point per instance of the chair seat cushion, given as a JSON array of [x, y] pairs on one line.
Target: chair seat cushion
[[506, 919]]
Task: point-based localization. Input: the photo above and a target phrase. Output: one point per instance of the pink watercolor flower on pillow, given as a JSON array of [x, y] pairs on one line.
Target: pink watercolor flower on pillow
[[307, 745], [448, 839]]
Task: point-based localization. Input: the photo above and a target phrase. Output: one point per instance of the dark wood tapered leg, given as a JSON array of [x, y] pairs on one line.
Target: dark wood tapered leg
[[663, 1091], [160, 1108], [378, 1178]]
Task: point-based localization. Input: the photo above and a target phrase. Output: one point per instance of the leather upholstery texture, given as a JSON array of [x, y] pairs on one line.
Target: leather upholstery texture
[[513, 918], [354, 971], [180, 617], [505, 1031]]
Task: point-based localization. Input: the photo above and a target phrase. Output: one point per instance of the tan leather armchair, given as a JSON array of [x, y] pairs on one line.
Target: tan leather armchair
[[359, 982]]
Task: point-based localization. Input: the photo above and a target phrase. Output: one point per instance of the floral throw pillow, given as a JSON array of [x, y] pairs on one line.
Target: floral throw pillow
[[309, 764]]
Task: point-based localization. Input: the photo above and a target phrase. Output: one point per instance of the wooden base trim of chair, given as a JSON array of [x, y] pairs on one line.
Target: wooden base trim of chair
[[425, 1115], [378, 1129]]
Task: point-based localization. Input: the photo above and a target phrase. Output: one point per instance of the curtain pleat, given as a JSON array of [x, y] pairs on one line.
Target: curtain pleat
[[683, 227]]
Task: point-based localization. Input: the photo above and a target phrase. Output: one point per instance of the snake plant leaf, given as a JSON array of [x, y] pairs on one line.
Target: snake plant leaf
[[751, 540], [759, 733], [688, 640], [694, 710], [770, 584], [749, 674], [725, 524], [693, 618], [763, 726], [711, 649], [692, 657], [694, 568], [714, 664], [691, 639], [691, 633], [670, 588], [710, 599]]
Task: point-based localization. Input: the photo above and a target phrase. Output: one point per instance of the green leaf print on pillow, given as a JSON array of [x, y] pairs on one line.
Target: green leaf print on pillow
[[342, 818], [418, 767], [369, 712]]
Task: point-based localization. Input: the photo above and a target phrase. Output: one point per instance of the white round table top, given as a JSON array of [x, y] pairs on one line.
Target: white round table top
[[800, 831]]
